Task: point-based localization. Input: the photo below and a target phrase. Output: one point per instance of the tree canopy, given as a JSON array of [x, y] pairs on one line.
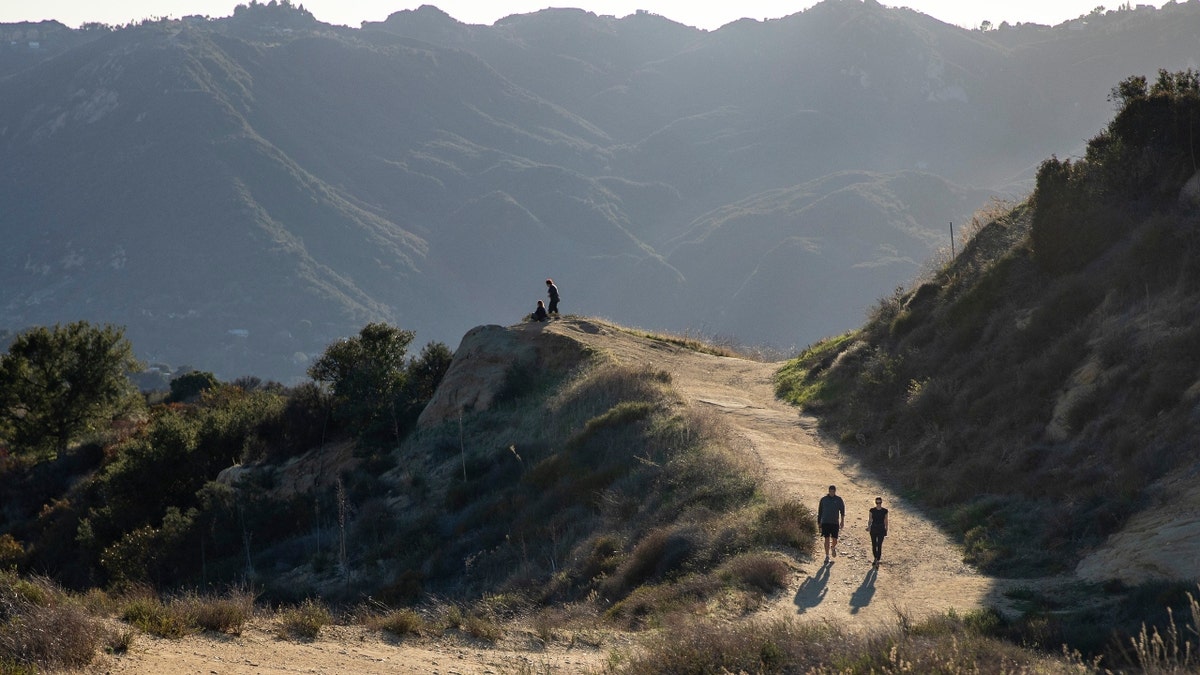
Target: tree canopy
[[59, 383], [366, 374]]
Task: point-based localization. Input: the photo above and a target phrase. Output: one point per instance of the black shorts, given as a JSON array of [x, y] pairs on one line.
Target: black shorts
[[829, 530]]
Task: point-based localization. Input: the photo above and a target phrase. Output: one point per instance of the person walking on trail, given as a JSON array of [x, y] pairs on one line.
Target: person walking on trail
[[831, 516], [552, 291], [877, 525]]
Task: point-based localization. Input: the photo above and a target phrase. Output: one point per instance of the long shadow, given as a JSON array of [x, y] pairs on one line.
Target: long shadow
[[865, 591], [812, 590]]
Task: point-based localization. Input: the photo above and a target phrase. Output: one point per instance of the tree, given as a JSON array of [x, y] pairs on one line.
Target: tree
[[426, 371], [367, 375], [189, 386], [59, 383]]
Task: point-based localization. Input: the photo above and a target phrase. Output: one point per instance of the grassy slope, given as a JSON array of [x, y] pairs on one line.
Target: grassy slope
[[1035, 388]]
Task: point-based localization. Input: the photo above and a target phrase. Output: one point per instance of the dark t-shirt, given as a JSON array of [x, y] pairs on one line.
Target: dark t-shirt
[[830, 509], [878, 522]]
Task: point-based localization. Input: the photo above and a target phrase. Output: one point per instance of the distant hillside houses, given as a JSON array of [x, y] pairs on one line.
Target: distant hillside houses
[[30, 38], [30, 35]]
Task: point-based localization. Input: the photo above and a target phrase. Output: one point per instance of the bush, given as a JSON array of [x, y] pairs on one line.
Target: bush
[[789, 523], [400, 622], [61, 635], [304, 621], [760, 572], [41, 627], [659, 554], [148, 613], [226, 614], [482, 627]]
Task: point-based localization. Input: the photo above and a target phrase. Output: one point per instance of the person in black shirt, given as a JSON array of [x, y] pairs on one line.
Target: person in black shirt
[[877, 525]]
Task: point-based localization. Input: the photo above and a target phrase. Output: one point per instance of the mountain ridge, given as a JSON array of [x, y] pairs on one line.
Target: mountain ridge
[[289, 180]]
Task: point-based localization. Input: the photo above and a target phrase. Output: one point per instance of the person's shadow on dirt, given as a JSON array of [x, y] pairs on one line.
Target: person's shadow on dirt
[[812, 590], [865, 591]]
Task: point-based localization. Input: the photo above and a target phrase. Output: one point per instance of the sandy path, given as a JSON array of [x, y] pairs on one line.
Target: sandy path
[[922, 572], [339, 650]]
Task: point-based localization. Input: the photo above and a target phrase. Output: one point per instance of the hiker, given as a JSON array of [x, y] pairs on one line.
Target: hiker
[[552, 291], [877, 525], [831, 516], [539, 314]]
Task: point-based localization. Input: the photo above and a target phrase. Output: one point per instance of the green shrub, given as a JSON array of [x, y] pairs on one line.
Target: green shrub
[[148, 613], [788, 523]]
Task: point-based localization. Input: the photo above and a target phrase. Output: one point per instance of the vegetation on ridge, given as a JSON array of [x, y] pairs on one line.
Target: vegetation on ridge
[[585, 485], [1035, 391]]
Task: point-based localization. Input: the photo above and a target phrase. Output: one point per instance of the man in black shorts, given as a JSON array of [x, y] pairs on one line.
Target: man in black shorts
[[831, 516]]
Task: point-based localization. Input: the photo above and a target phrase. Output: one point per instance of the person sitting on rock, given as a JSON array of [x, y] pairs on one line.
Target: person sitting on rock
[[539, 314]]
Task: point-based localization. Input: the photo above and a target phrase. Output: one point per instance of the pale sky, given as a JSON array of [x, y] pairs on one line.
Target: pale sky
[[699, 13]]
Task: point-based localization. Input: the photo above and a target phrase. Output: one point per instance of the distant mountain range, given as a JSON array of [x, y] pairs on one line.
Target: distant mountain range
[[239, 192]]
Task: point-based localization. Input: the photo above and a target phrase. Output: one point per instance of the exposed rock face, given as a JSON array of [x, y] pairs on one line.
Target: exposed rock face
[[486, 361], [1161, 542], [305, 474]]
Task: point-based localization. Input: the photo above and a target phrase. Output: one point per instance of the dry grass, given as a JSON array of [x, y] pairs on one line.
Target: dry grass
[[176, 617], [761, 572], [402, 622], [1175, 649], [149, 614], [948, 644], [303, 621], [41, 626], [219, 614]]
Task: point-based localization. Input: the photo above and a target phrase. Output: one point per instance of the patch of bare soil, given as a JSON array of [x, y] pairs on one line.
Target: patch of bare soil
[[922, 571], [340, 650]]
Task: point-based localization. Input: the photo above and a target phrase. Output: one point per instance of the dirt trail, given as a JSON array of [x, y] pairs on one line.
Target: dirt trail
[[922, 572]]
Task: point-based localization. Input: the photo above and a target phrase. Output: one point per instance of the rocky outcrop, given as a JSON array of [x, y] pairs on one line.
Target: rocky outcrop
[[487, 362], [1162, 542]]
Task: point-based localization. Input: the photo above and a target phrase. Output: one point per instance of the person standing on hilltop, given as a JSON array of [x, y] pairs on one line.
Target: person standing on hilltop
[[831, 516], [877, 525], [552, 291]]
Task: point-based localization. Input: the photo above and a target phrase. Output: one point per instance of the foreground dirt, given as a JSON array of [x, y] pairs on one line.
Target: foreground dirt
[[922, 572]]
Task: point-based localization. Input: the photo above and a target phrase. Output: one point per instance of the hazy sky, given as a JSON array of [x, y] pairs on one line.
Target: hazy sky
[[708, 15]]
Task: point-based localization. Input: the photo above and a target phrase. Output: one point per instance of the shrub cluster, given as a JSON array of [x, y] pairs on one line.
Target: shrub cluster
[[141, 504]]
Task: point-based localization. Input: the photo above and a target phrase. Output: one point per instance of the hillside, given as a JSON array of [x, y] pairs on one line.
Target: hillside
[[1040, 390], [575, 496], [238, 192], [735, 392]]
